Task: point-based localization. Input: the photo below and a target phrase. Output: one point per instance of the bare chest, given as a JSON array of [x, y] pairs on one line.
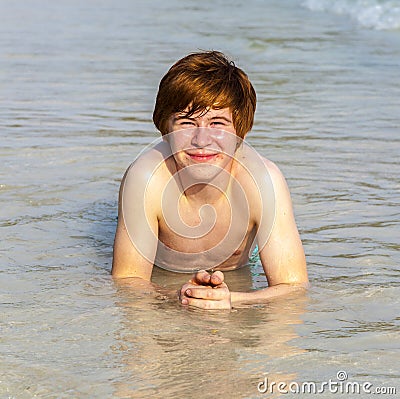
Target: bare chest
[[218, 236]]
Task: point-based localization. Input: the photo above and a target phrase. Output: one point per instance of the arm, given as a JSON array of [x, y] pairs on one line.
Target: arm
[[135, 241], [127, 260], [282, 257]]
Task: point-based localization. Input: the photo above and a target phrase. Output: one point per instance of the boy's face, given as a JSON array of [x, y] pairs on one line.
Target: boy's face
[[205, 141]]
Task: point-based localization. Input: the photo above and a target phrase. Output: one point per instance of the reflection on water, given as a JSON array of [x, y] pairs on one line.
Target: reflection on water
[[207, 354], [78, 87]]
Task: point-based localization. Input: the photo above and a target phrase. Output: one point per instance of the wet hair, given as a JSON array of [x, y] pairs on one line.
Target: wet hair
[[201, 81]]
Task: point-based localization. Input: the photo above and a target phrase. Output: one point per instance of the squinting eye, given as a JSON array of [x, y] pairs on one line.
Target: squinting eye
[[187, 123]]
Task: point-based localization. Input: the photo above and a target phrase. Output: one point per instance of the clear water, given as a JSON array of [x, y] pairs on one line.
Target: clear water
[[78, 81]]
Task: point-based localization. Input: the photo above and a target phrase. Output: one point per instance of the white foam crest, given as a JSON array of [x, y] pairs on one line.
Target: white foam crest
[[374, 14]]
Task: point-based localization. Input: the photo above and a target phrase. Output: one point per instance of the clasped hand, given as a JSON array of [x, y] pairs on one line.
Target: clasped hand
[[206, 291]]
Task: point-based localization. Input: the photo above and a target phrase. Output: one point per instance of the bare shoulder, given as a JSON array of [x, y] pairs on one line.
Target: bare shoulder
[[264, 173], [149, 168], [273, 170], [145, 178], [251, 161], [278, 179], [149, 163], [274, 194]]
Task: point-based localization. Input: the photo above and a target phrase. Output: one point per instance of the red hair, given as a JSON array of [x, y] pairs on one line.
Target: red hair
[[205, 80]]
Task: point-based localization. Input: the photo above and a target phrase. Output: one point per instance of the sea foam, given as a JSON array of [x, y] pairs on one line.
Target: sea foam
[[373, 14]]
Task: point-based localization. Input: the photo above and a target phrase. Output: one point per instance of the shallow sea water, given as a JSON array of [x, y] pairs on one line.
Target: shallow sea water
[[78, 81]]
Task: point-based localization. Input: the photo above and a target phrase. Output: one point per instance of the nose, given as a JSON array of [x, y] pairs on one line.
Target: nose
[[201, 137]]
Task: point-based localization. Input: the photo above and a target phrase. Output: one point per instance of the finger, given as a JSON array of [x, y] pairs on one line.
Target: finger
[[202, 277], [209, 293], [182, 291], [217, 278], [207, 305]]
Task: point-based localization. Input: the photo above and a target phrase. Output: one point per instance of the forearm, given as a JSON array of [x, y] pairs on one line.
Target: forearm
[[265, 294], [142, 286]]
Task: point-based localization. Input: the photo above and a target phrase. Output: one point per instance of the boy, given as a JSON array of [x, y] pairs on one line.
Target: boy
[[201, 198]]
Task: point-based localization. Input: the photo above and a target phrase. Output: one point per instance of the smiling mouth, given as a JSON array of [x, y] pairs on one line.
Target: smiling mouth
[[201, 157]]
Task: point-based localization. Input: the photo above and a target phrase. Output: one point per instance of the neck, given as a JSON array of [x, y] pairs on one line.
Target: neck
[[201, 194], [205, 191]]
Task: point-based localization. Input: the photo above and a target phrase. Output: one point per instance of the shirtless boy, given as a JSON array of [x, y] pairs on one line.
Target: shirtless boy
[[201, 199]]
